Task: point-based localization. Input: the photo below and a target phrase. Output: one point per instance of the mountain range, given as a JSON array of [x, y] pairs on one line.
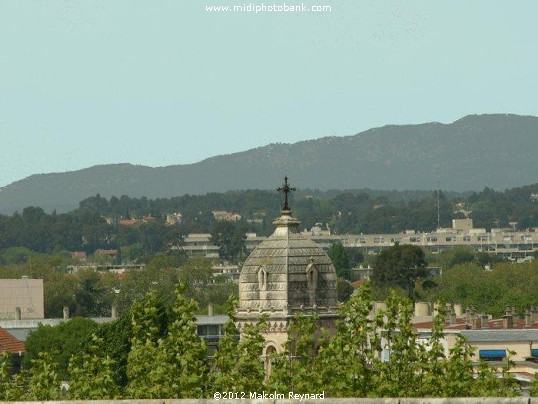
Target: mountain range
[[496, 150]]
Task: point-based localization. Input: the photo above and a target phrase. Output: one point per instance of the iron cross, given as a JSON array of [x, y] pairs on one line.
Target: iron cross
[[286, 189]]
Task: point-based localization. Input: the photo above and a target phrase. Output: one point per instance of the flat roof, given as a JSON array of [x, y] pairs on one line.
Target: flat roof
[[500, 335]]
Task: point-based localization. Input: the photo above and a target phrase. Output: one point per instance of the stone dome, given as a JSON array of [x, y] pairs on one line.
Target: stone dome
[[287, 274]]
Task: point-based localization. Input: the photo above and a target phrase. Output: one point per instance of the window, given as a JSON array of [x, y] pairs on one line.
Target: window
[[466, 238], [262, 278], [431, 239]]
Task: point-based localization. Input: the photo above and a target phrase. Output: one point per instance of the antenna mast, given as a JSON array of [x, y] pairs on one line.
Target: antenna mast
[[438, 201]]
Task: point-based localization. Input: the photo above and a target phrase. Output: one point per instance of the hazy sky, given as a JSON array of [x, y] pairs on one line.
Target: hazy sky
[[166, 82]]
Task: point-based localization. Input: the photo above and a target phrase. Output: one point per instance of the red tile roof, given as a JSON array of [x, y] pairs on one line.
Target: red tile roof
[[460, 325], [9, 343], [129, 222], [494, 324]]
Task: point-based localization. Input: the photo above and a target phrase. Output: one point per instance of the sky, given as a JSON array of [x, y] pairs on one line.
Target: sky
[[87, 82]]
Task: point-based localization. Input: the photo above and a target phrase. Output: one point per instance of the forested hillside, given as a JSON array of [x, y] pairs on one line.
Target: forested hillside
[[469, 154], [96, 223]]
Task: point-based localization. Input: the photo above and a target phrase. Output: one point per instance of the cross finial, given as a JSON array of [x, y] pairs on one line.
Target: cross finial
[[286, 189]]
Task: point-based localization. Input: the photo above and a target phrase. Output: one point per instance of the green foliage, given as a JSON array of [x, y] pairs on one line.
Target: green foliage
[[91, 376], [378, 355], [136, 284], [400, 265], [11, 387], [43, 379], [340, 259], [147, 328], [458, 381], [298, 368], [400, 375], [5, 378], [533, 391], [236, 365], [59, 342], [195, 273], [230, 238], [169, 367], [117, 336], [367, 354], [92, 296], [457, 256], [343, 289], [506, 284], [352, 212], [225, 359], [248, 373], [183, 352], [16, 256]]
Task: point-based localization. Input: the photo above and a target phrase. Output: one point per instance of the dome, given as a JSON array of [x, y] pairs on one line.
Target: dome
[[287, 274]]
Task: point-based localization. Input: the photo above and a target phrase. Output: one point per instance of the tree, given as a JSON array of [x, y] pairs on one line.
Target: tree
[[225, 359], [489, 291], [236, 365], [339, 257], [343, 289], [533, 391], [350, 358], [298, 367], [184, 352], [170, 367], [92, 297], [43, 379], [59, 342], [400, 265], [136, 284], [91, 376], [5, 377], [147, 317], [230, 238], [117, 345]]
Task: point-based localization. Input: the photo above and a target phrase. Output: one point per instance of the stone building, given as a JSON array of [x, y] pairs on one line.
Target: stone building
[[287, 274], [21, 299]]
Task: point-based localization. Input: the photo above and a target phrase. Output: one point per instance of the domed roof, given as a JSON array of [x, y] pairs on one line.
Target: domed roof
[[286, 274]]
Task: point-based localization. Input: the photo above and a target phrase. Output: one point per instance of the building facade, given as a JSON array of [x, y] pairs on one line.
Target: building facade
[[285, 275], [21, 299], [504, 242]]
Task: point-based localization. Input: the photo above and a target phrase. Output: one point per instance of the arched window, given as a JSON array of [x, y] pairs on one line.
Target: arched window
[[312, 275], [269, 350], [262, 278]]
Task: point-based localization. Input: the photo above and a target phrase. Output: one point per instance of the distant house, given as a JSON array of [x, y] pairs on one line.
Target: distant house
[[129, 222], [230, 271], [79, 255], [257, 217], [173, 218], [222, 215], [135, 221], [106, 253], [200, 245]]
